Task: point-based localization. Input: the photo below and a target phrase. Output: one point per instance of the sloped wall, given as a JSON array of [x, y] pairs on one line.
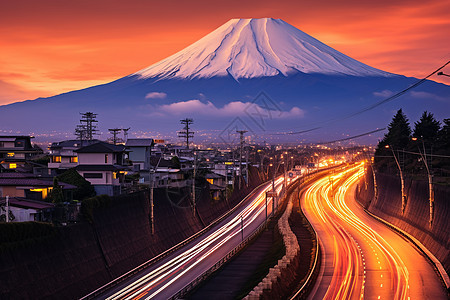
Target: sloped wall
[[84, 256], [415, 219]]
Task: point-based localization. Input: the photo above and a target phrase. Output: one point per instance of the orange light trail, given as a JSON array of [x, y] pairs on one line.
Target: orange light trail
[[327, 197]]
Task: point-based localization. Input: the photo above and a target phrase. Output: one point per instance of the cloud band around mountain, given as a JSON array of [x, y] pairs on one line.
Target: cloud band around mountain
[[232, 109]]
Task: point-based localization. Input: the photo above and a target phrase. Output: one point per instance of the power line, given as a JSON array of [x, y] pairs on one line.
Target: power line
[[433, 155], [353, 137], [375, 105]]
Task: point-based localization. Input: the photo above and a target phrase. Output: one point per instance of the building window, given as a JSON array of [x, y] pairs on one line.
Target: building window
[[106, 158], [93, 175], [56, 159], [10, 154], [74, 159], [12, 166], [2, 144]]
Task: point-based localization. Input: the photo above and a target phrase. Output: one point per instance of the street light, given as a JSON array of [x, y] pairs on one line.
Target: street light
[[401, 179], [430, 178], [443, 74]]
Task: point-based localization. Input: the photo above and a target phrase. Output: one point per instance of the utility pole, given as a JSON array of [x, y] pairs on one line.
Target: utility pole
[[88, 120], [125, 133], [193, 185], [401, 179], [246, 165], [152, 185], [186, 132], [114, 132], [430, 178], [241, 133], [7, 209]]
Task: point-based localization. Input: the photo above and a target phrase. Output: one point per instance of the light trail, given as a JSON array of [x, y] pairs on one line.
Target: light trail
[[163, 276], [347, 237]]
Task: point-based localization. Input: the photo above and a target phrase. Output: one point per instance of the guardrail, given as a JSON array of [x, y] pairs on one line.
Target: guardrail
[[148, 263], [304, 290], [160, 256], [217, 265], [439, 269]]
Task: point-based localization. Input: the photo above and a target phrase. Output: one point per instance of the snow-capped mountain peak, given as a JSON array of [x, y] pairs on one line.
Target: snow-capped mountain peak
[[248, 48]]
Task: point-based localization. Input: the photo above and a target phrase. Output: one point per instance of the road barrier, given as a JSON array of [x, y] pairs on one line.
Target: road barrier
[[148, 263]]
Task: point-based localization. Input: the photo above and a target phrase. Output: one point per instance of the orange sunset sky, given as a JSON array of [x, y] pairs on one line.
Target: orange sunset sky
[[51, 46]]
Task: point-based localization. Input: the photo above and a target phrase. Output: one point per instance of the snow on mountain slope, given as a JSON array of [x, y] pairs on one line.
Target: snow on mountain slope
[[249, 48]]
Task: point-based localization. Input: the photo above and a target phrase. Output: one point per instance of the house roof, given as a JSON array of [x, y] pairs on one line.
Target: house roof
[[33, 182], [99, 168], [139, 143], [71, 144], [27, 203], [101, 147]]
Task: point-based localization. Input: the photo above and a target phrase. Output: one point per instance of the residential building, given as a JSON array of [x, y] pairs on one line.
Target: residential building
[[16, 150], [25, 210], [104, 165], [63, 155], [139, 153], [30, 186]]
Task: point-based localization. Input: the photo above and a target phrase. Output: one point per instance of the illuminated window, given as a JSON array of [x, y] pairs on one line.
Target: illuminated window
[[114, 175], [57, 159], [12, 166], [74, 159], [44, 192], [10, 154], [210, 180]]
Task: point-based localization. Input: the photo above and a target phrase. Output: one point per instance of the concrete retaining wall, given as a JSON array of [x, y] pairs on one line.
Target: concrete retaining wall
[[83, 256], [415, 219]]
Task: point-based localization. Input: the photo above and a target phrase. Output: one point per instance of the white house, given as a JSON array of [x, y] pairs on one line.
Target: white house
[[104, 166]]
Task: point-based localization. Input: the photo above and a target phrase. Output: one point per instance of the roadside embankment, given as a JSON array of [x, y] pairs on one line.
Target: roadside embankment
[[69, 262], [415, 219]]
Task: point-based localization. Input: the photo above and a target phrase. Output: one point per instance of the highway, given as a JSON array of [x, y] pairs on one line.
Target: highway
[[172, 273], [361, 257]]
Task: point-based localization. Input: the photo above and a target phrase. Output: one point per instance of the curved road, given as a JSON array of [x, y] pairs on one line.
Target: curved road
[[171, 274], [361, 257]]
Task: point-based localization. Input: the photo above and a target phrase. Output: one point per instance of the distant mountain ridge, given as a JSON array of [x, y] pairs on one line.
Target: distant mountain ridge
[[220, 79]]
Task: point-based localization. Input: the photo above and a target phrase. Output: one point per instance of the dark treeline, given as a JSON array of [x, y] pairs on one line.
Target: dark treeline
[[426, 145]]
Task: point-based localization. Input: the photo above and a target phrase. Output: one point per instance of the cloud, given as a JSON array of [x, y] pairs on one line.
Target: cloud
[[384, 93], [156, 95], [10, 93], [426, 95], [232, 109]]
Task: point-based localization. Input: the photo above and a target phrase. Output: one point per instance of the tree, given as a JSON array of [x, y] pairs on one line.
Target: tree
[[443, 138], [56, 195], [84, 188], [399, 131], [397, 137], [427, 128]]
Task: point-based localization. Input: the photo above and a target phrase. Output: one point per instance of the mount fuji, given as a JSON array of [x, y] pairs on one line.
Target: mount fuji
[[261, 75]]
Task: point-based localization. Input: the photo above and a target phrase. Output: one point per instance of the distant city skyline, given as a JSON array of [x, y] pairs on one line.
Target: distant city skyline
[[51, 47]]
